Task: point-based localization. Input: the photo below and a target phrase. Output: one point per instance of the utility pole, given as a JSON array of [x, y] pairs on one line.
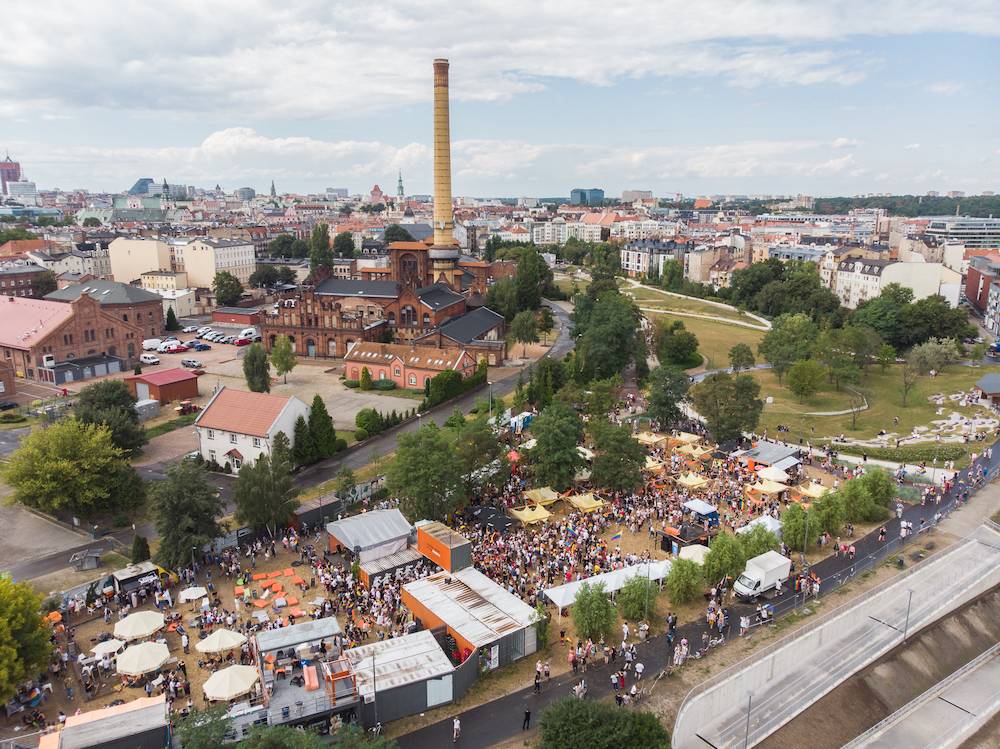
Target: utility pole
[[746, 737], [906, 624]]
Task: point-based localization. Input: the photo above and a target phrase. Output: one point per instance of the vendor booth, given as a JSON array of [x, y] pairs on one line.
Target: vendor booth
[[702, 512]]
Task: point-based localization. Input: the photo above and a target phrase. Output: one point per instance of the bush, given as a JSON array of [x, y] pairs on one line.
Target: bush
[[570, 723], [593, 614], [12, 417], [384, 385], [684, 582], [352, 383], [341, 445], [907, 453], [360, 435], [637, 598]]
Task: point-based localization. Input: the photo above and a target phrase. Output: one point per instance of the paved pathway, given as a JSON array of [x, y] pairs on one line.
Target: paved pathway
[[500, 720]]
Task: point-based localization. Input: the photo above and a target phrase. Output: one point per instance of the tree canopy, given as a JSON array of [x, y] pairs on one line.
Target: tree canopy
[[730, 404], [726, 558], [109, 403], [227, 288], [265, 495], [186, 513], [343, 244], [524, 329], [324, 436], [606, 329], [668, 387], [24, 636], [619, 458], [257, 369], [593, 614], [790, 339], [425, 475], [283, 356], [570, 723], [554, 460], [676, 345]]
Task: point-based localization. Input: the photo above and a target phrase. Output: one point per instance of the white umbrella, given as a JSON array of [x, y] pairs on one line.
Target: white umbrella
[[220, 640], [773, 474], [192, 594], [142, 658], [138, 625], [230, 683], [108, 646], [696, 553]]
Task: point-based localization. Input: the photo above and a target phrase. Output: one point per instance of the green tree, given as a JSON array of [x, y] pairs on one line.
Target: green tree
[[833, 349], [796, 524], [606, 331], [281, 246], [264, 276], [172, 323], [425, 476], [140, 549], [227, 288], [370, 420], [570, 723], [684, 582], [343, 244], [910, 376], [730, 405], [186, 512], [790, 339], [546, 322], [524, 330], [593, 614], [282, 449], [619, 458], [109, 403], [637, 598], [345, 481], [976, 353], [285, 275], [741, 357], [256, 369], [366, 379], [554, 459], [283, 356], [90, 222], [603, 395], [396, 233], [46, 283], [203, 729], [24, 637], [758, 541], [668, 388], [676, 345], [725, 558], [476, 446], [324, 436], [281, 737], [886, 357], [265, 495], [304, 451], [805, 378], [830, 513], [533, 276], [502, 298], [74, 467], [320, 254]]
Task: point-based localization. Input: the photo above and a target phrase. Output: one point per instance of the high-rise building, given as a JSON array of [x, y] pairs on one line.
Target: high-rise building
[[141, 187], [972, 232], [10, 171], [586, 196], [23, 191], [630, 196]]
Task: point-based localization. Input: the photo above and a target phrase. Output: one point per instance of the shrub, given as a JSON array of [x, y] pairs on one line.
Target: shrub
[[12, 417], [637, 598], [360, 435], [684, 582], [384, 385], [907, 453], [341, 444], [352, 383]]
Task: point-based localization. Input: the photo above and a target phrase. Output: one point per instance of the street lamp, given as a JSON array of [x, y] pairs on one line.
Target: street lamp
[[491, 398]]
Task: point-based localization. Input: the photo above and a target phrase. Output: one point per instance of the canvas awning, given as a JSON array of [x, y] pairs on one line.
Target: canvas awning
[[585, 502], [650, 439], [768, 487], [531, 514], [695, 552], [370, 529], [685, 438], [773, 473], [613, 581], [699, 506], [692, 481], [695, 451], [544, 496], [812, 490], [192, 594], [652, 464], [769, 523]]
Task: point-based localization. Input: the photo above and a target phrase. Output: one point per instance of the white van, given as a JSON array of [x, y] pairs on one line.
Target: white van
[[249, 333], [149, 359], [151, 344]]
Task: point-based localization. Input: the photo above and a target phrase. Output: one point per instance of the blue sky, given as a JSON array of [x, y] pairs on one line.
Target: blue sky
[[747, 96]]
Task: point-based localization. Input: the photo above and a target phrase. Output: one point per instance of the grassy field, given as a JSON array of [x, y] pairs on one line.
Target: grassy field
[[647, 298], [168, 426], [715, 338], [885, 400]]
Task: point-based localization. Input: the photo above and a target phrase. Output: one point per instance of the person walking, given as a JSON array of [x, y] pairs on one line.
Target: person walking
[[538, 683], [526, 723], [456, 730], [185, 643]]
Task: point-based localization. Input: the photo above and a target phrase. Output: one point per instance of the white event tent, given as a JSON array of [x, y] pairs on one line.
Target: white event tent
[[564, 595]]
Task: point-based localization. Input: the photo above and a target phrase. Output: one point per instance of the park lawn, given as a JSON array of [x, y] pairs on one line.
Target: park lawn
[[715, 338], [648, 298], [885, 400], [565, 284]]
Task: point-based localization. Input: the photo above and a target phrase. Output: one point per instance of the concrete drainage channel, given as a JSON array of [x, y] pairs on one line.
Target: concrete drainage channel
[[893, 696]]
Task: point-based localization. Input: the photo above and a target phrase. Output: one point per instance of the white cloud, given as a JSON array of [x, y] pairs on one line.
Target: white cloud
[[945, 88], [307, 58], [845, 143], [911, 147]]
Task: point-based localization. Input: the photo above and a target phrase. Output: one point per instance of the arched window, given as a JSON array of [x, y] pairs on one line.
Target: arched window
[[413, 379], [427, 320], [408, 316], [381, 374]]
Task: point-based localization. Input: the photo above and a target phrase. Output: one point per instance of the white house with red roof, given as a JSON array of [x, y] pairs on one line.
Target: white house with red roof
[[238, 426]]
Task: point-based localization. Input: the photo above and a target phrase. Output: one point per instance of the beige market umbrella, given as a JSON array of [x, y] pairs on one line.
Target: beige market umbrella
[[108, 646], [220, 641], [142, 658], [192, 594], [695, 552], [138, 625], [230, 683]]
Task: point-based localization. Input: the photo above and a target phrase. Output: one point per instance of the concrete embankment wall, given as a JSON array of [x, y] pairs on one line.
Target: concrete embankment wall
[[895, 679]]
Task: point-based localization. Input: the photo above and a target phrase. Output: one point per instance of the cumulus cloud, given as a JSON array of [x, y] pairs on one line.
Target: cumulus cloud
[[945, 88], [911, 147], [845, 143], [305, 58]]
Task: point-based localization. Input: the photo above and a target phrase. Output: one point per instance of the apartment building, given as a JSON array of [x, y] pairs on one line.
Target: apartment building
[[130, 258], [203, 258], [131, 304], [642, 257], [972, 232], [21, 279], [861, 279], [698, 262]]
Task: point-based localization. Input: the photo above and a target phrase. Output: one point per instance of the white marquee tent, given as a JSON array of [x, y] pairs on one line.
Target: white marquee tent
[[564, 595]]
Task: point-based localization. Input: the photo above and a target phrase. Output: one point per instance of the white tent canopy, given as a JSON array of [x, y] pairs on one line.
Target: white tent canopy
[[699, 506], [138, 625], [773, 473], [142, 658], [376, 533], [108, 646], [192, 594], [219, 641], [564, 595], [695, 552], [230, 683], [769, 523]]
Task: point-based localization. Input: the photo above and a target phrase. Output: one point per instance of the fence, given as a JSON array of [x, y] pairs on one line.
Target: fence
[[24, 741]]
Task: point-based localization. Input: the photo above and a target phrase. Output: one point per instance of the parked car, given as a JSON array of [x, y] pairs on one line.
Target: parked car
[[191, 363], [242, 342], [207, 333], [177, 348], [151, 344], [227, 339], [149, 359], [190, 329], [7, 405], [199, 346], [204, 329]]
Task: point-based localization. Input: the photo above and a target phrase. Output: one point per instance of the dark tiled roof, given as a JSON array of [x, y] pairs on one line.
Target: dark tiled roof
[[472, 325], [106, 292], [438, 296], [350, 287]]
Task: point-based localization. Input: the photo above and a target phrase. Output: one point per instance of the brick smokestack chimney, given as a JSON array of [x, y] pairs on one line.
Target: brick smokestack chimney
[[445, 250]]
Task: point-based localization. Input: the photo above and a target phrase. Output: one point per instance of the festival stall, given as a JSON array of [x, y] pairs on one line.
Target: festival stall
[[692, 481], [765, 521], [695, 553], [531, 514], [544, 496], [585, 502], [563, 596], [702, 511], [758, 492], [651, 440], [809, 491]]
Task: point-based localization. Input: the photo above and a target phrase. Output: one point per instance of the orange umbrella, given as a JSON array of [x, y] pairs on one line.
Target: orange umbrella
[[298, 581]]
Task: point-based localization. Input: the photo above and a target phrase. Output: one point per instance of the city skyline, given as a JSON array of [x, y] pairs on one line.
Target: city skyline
[[824, 99]]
